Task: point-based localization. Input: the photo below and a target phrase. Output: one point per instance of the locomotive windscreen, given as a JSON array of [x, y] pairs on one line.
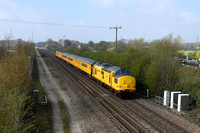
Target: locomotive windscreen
[[122, 71]]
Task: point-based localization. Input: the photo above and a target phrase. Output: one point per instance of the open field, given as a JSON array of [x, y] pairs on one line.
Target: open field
[[186, 52]]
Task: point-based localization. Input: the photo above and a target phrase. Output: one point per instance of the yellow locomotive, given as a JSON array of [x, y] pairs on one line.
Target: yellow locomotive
[[116, 79]]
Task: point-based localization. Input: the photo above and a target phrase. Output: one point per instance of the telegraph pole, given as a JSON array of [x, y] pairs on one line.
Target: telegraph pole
[[32, 35], [197, 46], [116, 28]]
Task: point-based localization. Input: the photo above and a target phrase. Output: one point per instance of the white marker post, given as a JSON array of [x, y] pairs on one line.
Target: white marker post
[[166, 98], [174, 99], [183, 100]]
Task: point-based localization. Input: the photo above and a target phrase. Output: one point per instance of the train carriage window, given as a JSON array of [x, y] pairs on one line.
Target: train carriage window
[[115, 80], [84, 65], [70, 59], [64, 56]]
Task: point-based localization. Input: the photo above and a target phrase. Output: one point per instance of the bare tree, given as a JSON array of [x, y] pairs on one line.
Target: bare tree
[[9, 38]]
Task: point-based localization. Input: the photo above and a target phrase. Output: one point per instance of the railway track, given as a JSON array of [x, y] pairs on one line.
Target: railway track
[[132, 107], [126, 123], [166, 125]]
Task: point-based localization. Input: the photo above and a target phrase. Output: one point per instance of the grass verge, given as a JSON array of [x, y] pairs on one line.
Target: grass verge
[[42, 113]]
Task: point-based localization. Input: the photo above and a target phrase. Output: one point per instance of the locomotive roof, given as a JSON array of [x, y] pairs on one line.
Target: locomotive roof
[[108, 66]]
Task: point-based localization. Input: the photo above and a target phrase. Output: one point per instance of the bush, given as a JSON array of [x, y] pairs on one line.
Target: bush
[[14, 88], [189, 83]]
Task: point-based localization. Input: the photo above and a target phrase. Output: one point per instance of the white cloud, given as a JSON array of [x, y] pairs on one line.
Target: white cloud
[[189, 17], [10, 10], [7, 9], [152, 18], [104, 3], [140, 4], [4, 15], [139, 18], [4, 4]]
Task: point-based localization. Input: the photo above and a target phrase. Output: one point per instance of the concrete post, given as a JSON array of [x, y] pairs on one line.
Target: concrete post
[[166, 98], [148, 93], [174, 99], [183, 100]]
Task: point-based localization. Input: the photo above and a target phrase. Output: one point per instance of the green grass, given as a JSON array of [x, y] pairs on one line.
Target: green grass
[[186, 52], [39, 87], [44, 118], [43, 114]]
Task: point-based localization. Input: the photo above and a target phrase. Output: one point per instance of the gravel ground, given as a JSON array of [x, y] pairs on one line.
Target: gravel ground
[[85, 115], [46, 84], [169, 114]]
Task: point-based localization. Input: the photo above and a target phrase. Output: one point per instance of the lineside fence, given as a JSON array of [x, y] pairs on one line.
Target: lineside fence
[[159, 100]]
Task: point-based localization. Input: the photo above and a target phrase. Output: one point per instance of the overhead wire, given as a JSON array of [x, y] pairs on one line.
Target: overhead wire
[[47, 23]]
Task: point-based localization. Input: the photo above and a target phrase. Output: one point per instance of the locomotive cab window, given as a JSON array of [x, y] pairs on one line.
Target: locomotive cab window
[[102, 72], [115, 80], [122, 71]]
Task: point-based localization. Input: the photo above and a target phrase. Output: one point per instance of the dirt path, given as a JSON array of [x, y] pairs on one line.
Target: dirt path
[[48, 87], [52, 86]]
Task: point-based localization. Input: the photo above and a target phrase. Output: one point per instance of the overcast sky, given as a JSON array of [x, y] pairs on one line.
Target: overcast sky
[[148, 19]]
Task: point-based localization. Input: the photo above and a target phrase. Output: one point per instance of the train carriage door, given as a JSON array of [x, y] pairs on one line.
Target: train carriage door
[[91, 69], [109, 78], [102, 72], [115, 81]]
